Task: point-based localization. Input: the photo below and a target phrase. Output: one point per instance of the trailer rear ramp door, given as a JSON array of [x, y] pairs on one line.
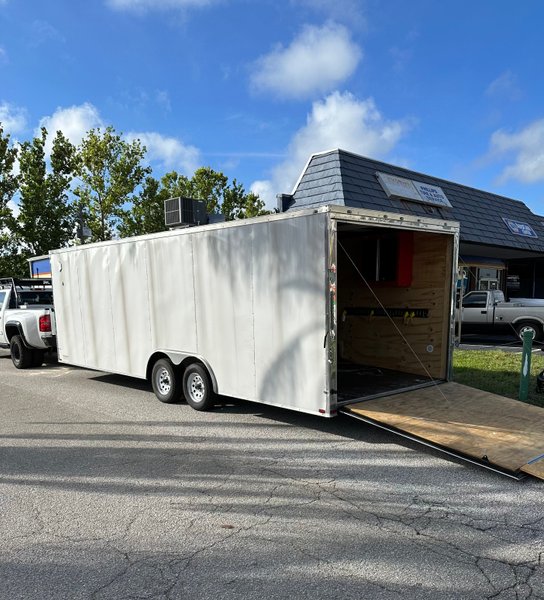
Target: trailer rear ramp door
[[492, 430]]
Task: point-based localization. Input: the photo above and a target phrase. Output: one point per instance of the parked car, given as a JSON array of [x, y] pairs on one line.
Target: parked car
[[487, 312]]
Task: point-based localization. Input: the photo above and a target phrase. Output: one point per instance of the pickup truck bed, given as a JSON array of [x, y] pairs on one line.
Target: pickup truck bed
[[27, 324]]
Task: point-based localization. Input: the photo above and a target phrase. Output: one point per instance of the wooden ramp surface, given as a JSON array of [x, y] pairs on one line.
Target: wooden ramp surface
[[504, 432]]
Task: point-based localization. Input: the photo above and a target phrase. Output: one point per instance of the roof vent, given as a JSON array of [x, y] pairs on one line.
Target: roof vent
[[285, 201], [184, 212]]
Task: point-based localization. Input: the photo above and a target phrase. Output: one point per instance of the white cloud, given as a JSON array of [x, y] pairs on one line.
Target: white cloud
[[12, 118], [339, 121], [145, 5], [505, 86], [528, 146], [168, 151], [162, 97], [74, 122], [43, 32], [316, 61]]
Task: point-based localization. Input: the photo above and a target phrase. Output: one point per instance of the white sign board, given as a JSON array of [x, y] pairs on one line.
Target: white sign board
[[400, 187], [520, 228], [432, 194]]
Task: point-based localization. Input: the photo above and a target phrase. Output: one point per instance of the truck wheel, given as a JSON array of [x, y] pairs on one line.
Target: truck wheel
[[21, 356], [197, 387], [37, 358], [534, 328], [166, 382]]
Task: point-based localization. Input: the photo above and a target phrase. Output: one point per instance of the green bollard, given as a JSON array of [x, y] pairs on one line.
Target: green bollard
[[525, 366]]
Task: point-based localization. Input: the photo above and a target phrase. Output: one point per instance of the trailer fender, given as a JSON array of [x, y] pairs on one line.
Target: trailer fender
[[183, 359]]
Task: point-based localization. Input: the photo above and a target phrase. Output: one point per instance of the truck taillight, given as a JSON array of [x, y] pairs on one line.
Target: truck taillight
[[45, 323]]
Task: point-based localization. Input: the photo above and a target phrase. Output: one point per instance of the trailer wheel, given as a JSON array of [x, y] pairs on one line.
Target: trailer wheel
[[165, 381], [197, 387], [534, 328], [21, 356]]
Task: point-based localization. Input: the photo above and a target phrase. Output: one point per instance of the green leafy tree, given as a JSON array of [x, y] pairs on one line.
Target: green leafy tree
[[8, 180], [205, 184], [147, 212], [174, 184], [208, 185], [12, 261], [13, 257], [46, 219], [110, 170], [239, 204]]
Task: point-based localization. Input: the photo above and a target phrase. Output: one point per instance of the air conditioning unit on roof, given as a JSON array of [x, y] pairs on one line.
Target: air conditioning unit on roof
[[184, 212]]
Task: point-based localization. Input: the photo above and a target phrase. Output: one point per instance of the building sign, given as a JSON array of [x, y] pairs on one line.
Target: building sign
[[399, 187], [520, 228], [432, 194]]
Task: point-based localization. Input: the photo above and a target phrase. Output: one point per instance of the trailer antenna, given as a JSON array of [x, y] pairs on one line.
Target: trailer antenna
[[386, 312]]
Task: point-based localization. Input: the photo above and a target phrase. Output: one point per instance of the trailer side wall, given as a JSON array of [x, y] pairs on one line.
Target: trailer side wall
[[250, 299]]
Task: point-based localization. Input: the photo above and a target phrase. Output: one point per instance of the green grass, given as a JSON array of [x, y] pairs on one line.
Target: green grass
[[496, 372]]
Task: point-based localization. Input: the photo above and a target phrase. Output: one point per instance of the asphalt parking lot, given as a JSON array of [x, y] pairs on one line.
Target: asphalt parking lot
[[107, 493]]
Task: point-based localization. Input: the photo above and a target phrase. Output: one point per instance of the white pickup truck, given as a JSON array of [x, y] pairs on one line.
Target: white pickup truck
[[27, 323], [487, 312]]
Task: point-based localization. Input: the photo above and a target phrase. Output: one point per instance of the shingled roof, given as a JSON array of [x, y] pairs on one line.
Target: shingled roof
[[340, 177]]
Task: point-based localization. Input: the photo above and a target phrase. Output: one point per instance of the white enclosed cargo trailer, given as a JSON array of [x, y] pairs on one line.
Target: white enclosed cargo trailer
[[321, 311], [272, 309]]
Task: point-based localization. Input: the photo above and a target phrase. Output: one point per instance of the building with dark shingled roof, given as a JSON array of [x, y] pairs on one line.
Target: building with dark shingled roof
[[491, 254]]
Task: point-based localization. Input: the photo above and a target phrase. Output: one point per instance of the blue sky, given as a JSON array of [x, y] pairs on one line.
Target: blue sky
[[453, 88]]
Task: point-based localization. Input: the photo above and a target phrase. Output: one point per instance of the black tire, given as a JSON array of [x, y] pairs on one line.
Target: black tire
[[536, 328], [166, 381], [197, 387], [37, 358], [21, 356]]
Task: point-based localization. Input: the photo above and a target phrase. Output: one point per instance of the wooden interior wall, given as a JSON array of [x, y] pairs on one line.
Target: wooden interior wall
[[374, 340]]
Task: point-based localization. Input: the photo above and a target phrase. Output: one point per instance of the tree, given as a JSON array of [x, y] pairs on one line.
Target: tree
[[205, 184], [46, 219], [239, 204], [209, 185], [12, 262], [147, 212], [110, 170], [8, 180]]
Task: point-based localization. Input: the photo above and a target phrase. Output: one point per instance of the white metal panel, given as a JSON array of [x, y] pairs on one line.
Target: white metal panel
[[171, 294], [224, 307], [130, 333], [96, 308], [290, 299], [71, 341]]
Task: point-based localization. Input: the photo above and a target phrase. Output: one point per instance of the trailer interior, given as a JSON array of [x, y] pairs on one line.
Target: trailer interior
[[394, 317], [394, 306]]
